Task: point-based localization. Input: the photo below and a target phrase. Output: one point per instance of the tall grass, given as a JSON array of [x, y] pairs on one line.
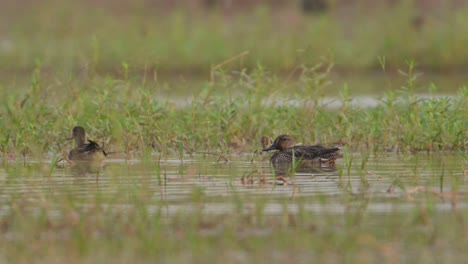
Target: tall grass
[[99, 39], [230, 115]]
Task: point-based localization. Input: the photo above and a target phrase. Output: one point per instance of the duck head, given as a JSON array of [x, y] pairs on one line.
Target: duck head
[[281, 143], [79, 135]]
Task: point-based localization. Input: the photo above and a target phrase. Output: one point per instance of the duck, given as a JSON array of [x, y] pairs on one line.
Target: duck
[[287, 150], [83, 151]]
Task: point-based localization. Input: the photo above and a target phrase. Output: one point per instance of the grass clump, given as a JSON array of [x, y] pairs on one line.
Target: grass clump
[[229, 115]]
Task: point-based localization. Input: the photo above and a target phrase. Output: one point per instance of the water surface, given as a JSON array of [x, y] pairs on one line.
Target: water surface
[[387, 182]]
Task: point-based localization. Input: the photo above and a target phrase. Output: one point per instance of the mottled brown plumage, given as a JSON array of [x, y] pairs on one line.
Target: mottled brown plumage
[[83, 151], [287, 150]]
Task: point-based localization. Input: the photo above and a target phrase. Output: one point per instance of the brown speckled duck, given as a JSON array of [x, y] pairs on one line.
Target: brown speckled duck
[[313, 154], [83, 151]]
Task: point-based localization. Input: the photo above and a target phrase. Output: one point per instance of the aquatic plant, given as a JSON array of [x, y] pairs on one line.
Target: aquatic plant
[[228, 116]]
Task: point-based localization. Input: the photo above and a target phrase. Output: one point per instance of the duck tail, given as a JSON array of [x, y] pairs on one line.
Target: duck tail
[[95, 145], [330, 154]]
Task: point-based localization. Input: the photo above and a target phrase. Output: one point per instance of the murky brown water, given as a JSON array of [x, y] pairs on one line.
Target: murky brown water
[[388, 181]]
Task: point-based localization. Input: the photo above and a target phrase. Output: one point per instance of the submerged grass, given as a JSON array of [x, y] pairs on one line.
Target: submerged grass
[[97, 235], [125, 218], [230, 115]]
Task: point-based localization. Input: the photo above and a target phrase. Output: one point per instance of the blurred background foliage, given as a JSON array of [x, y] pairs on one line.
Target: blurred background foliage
[[192, 36]]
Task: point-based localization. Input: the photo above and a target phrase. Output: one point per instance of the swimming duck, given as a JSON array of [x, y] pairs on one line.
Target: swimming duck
[[83, 151], [287, 150]]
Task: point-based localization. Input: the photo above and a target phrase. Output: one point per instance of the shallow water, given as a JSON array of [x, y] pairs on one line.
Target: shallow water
[[388, 182]]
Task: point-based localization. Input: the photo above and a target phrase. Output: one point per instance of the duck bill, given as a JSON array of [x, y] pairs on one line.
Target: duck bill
[[272, 147]]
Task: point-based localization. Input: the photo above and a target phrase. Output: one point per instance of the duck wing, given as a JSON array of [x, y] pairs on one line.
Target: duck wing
[[315, 152], [92, 147]]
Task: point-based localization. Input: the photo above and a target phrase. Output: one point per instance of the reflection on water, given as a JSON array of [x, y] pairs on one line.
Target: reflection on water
[[385, 180], [86, 168], [302, 167]]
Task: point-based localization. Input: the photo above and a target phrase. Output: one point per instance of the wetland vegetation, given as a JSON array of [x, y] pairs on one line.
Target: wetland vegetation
[[165, 210], [99, 37], [185, 180], [132, 120]]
